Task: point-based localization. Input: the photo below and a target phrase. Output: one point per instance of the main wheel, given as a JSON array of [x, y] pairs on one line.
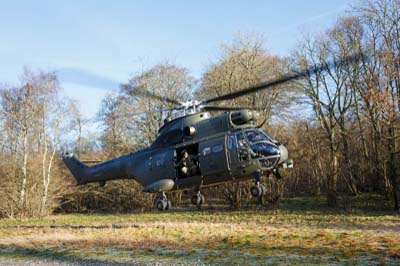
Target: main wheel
[[196, 199], [168, 207], [161, 204], [202, 199]]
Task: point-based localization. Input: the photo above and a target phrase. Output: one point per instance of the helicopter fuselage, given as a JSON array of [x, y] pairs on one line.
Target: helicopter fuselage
[[224, 148]]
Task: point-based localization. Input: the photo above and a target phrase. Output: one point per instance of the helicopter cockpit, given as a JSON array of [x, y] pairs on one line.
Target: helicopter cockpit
[[261, 145]]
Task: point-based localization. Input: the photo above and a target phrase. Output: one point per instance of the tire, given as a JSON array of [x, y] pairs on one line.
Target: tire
[[161, 205], [168, 207], [202, 200], [196, 200], [255, 191]]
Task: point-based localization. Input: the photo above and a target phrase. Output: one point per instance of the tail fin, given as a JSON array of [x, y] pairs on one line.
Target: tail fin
[[76, 167]]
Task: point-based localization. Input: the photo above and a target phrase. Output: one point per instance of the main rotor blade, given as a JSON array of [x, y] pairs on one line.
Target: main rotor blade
[[119, 116], [129, 115], [85, 78], [145, 93], [301, 74]]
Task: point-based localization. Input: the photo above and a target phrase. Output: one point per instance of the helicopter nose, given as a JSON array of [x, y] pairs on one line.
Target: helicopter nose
[[284, 153]]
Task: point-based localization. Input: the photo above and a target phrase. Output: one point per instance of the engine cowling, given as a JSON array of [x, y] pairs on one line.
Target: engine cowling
[[243, 117]]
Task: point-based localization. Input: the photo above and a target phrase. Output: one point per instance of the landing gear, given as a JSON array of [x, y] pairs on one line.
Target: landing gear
[[198, 199], [162, 203], [257, 190], [276, 173]]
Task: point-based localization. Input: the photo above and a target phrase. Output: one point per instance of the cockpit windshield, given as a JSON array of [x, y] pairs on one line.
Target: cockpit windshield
[[256, 135]]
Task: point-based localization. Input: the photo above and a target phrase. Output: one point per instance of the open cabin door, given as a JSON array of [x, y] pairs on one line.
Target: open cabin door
[[214, 160]]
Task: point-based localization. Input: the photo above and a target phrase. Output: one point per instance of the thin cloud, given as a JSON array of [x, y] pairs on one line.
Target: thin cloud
[[314, 18]]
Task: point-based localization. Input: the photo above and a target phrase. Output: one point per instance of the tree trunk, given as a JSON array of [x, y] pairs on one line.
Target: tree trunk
[[350, 176], [332, 179], [22, 194], [393, 168], [44, 174]]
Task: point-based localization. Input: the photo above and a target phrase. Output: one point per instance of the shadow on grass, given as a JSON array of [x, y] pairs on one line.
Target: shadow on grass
[[295, 255], [369, 204], [54, 255]]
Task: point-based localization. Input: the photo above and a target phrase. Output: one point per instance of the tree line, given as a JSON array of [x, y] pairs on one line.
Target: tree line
[[341, 125]]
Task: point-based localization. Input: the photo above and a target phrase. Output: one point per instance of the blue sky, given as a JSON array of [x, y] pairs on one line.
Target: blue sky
[[111, 40]]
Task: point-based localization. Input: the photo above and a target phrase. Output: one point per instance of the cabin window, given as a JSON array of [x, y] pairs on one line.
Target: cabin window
[[217, 148], [206, 151], [243, 147]]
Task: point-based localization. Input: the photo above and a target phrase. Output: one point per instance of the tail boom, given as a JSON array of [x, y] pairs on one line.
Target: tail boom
[[110, 170]]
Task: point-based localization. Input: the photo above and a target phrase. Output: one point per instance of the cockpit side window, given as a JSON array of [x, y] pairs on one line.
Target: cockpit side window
[[241, 142], [267, 135], [231, 141], [254, 136]]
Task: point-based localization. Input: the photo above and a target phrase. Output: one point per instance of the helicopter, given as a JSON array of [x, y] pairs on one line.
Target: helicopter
[[195, 150]]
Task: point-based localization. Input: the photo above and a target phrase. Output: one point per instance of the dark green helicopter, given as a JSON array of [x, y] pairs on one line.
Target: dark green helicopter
[[196, 150]]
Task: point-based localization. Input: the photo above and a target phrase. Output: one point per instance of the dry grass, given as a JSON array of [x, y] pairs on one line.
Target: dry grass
[[246, 237]]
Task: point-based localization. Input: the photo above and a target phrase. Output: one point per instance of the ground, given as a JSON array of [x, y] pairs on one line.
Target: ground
[[190, 237]]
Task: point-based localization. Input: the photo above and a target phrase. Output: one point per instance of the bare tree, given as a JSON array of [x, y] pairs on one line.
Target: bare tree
[[379, 87], [323, 98], [119, 132], [164, 80], [32, 119], [245, 63]]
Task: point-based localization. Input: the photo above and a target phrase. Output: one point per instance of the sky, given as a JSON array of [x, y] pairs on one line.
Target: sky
[[95, 45]]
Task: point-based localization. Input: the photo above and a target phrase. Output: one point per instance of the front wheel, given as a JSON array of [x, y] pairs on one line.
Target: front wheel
[[257, 191]]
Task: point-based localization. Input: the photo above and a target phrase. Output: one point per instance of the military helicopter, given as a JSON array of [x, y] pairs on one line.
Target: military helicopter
[[195, 150]]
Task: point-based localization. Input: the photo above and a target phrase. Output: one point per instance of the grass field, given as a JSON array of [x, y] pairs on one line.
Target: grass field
[[286, 236]]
